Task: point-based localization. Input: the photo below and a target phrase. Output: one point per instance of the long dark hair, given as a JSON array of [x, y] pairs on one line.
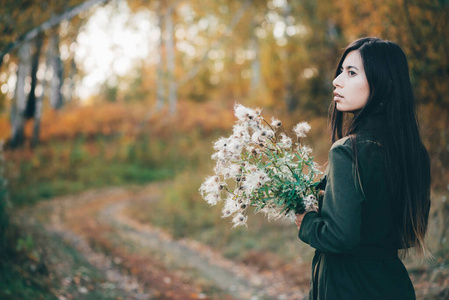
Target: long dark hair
[[408, 162]]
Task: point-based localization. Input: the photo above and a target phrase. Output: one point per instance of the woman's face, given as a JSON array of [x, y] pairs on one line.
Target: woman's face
[[351, 86]]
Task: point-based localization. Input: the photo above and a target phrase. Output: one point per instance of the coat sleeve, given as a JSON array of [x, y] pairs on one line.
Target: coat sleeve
[[336, 229]]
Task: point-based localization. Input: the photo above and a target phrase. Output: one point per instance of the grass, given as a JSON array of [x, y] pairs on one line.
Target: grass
[[44, 266], [183, 213], [72, 167], [14, 285], [112, 174]]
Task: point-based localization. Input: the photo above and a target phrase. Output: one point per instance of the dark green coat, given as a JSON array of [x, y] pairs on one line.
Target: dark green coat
[[354, 233]]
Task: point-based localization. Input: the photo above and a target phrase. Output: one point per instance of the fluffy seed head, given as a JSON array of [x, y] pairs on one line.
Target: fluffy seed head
[[301, 129]]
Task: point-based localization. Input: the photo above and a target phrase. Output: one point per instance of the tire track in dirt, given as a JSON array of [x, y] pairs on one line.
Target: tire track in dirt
[[180, 255], [185, 269], [239, 280], [50, 215], [127, 283]]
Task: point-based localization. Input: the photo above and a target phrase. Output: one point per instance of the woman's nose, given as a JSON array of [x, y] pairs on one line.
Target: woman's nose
[[337, 81]]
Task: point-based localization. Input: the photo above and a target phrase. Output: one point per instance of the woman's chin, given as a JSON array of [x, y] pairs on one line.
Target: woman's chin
[[342, 108]]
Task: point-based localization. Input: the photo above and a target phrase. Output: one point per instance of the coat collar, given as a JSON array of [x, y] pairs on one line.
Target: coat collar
[[372, 123]]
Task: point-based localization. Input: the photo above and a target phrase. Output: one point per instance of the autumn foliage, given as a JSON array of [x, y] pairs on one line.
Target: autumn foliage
[[112, 119]]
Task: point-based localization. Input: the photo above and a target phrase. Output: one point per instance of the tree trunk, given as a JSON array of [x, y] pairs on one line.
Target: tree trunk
[[172, 86], [18, 107], [4, 212], [31, 103], [290, 98], [37, 119], [68, 93], [38, 111], [255, 64], [55, 64], [160, 85]]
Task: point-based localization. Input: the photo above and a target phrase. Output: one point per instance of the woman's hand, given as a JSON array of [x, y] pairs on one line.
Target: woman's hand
[[298, 220], [299, 217]]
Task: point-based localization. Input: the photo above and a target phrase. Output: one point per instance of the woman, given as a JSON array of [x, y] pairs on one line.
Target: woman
[[377, 183]]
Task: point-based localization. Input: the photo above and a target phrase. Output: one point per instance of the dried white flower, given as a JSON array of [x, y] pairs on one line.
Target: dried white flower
[[301, 129], [310, 202], [212, 199], [268, 133], [221, 144], [267, 171], [235, 148], [241, 132], [231, 171], [257, 138], [286, 141], [231, 206], [256, 179], [305, 151], [272, 212], [275, 122], [245, 114], [212, 186], [219, 156], [239, 220]]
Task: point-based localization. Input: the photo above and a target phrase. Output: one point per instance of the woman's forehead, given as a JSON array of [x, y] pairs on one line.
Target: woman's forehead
[[353, 59]]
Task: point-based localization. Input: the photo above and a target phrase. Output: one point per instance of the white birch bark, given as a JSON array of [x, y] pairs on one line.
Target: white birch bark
[[31, 103], [172, 85], [255, 64], [20, 95], [289, 94], [38, 110], [160, 85], [55, 64]]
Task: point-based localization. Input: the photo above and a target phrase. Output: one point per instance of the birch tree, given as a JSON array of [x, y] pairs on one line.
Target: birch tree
[[31, 103], [169, 45], [256, 76], [19, 33], [20, 96], [160, 83], [56, 69]]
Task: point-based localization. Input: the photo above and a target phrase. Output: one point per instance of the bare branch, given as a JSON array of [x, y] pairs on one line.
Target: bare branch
[[67, 15]]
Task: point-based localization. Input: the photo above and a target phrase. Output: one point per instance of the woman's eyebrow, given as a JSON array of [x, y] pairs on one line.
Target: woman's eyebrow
[[350, 67]]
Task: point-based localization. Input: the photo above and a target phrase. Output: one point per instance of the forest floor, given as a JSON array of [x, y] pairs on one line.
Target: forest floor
[[139, 261], [95, 250]]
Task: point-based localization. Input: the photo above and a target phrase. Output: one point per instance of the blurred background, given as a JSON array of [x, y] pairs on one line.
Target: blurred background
[[108, 112]]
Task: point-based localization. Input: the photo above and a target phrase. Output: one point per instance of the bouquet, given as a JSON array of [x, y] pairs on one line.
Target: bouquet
[[259, 165]]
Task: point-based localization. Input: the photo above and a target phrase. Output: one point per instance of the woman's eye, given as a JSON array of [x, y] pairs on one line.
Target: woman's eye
[[351, 73]]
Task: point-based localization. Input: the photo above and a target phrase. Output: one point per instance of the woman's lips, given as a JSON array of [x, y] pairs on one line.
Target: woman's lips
[[337, 96]]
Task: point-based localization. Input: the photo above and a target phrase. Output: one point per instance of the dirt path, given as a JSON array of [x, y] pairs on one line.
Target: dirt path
[[144, 262], [98, 251]]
